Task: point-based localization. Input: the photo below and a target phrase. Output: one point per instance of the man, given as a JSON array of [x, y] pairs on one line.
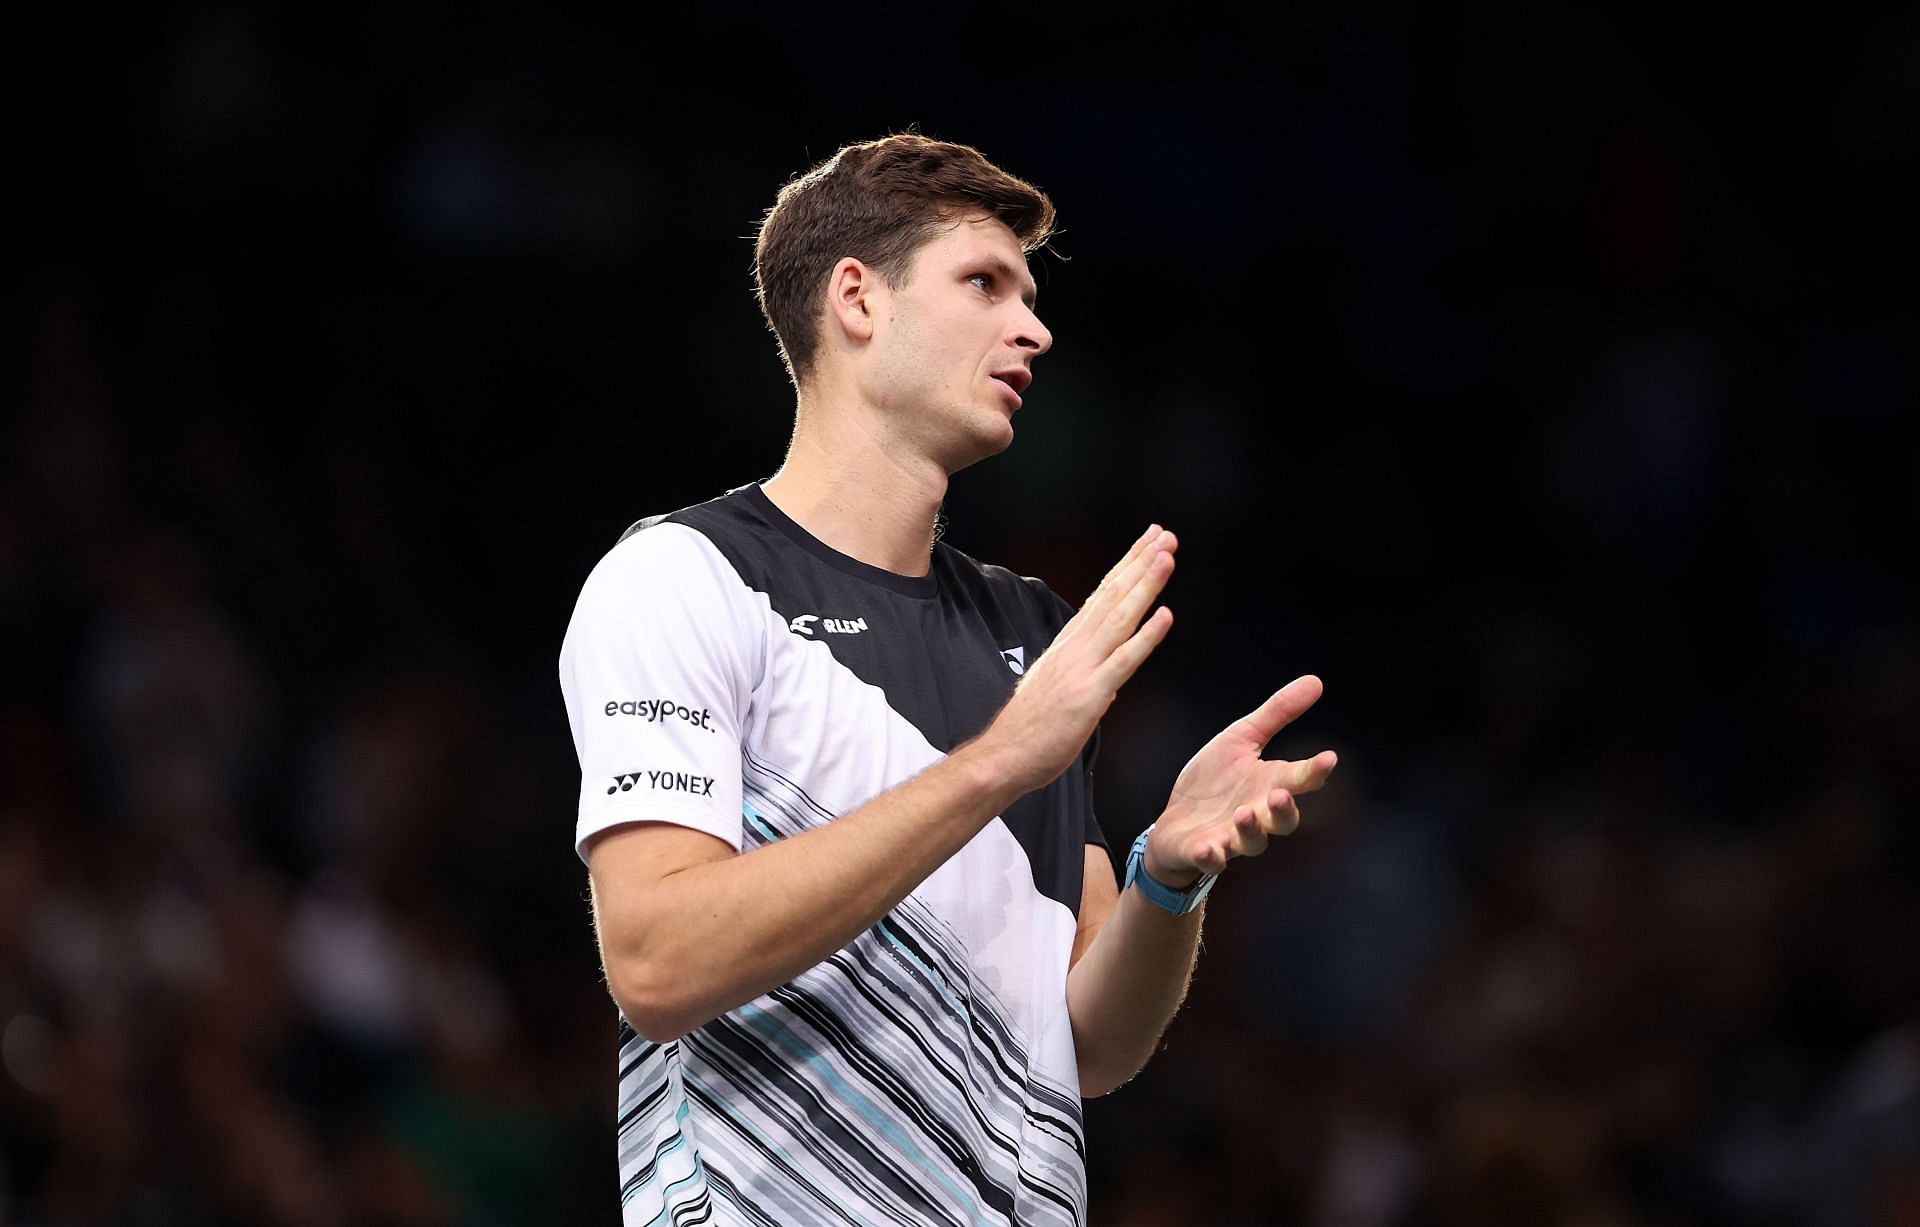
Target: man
[[851, 899]]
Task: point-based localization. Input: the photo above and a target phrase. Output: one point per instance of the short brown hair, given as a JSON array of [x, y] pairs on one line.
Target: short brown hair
[[878, 202]]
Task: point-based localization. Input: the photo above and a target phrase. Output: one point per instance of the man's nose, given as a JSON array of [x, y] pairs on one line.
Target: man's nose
[[1033, 335]]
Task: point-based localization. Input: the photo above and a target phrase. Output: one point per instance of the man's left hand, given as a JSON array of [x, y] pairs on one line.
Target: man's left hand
[[1228, 801]]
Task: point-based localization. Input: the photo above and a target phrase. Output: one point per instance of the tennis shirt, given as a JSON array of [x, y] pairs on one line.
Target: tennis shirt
[[726, 671]]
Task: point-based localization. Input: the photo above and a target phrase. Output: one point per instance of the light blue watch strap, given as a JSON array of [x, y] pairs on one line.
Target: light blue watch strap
[[1179, 902]]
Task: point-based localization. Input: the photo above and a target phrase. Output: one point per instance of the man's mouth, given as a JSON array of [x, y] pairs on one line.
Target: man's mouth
[[1015, 381], [1017, 378]]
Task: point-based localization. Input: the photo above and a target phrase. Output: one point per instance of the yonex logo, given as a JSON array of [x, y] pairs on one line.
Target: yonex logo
[[666, 781], [803, 625], [1016, 658]]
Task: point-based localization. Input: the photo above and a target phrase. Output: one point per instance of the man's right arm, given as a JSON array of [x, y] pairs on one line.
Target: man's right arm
[[689, 929]]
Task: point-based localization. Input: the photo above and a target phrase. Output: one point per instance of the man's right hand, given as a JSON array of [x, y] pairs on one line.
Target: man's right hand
[[1066, 691]]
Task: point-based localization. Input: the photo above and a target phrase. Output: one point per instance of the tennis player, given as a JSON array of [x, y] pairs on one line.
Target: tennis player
[[836, 800]]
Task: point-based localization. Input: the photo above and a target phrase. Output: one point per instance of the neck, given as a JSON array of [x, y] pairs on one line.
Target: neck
[[859, 490]]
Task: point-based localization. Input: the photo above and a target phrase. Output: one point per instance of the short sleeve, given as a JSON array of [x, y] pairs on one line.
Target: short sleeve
[[658, 670]]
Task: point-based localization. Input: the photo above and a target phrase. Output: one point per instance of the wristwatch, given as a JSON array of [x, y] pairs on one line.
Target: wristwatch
[[1179, 902]]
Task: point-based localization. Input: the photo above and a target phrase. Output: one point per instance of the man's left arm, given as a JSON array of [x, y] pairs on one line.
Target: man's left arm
[[1132, 958]]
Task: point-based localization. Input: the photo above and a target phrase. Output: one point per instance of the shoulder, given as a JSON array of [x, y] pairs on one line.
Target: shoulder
[[667, 587], [718, 514], [666, 554], [690, 538], [678, 558]]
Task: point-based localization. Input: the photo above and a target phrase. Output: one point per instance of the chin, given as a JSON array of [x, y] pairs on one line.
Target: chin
[[989, 438]]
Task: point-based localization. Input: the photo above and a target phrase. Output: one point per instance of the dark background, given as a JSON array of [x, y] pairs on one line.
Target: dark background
[[1540, 382]]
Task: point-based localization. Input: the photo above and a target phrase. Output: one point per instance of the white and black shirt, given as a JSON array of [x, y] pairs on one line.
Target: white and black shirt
[[726, 671]]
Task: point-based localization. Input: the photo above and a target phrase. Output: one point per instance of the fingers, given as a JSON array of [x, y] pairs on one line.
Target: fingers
[[1130, 655], [1212, 858], [1110, 620], [1286, 705], [1307, 774], [1148, 568], [1126, 575], [1274, 813], [1136, 592], [1249, 830], [1113, 574], [1283, 814], [1140, 544]]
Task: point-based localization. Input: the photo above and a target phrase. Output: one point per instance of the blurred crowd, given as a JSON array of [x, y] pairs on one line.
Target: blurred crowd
[[268, 949], [1584, 488]]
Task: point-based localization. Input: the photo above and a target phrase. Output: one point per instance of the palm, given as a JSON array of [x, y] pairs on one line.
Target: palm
[[1228, 800], [1223, 769]]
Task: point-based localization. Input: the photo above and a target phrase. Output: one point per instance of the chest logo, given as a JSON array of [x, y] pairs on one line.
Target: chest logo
[[1016, 658], [803, 625]]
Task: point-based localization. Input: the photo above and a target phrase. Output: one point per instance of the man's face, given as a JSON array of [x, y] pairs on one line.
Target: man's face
[[954, 345]]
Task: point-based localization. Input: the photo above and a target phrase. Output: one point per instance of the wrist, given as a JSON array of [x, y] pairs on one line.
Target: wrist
[[992, 770], [1159, 871], [1169, 897]]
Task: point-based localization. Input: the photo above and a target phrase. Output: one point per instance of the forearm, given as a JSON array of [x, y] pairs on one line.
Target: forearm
[[1126, 987], [714, 936]]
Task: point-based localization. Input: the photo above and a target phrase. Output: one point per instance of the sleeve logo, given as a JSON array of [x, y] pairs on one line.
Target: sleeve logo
[[653, 711], [664, 781]]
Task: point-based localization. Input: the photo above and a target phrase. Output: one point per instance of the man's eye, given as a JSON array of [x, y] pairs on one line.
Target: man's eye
[[983, 280]]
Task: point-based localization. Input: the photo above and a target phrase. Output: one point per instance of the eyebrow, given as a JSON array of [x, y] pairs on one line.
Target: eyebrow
[[1001, 268]]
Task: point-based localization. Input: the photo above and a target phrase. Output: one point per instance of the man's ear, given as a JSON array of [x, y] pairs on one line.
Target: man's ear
[[853, 291]]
